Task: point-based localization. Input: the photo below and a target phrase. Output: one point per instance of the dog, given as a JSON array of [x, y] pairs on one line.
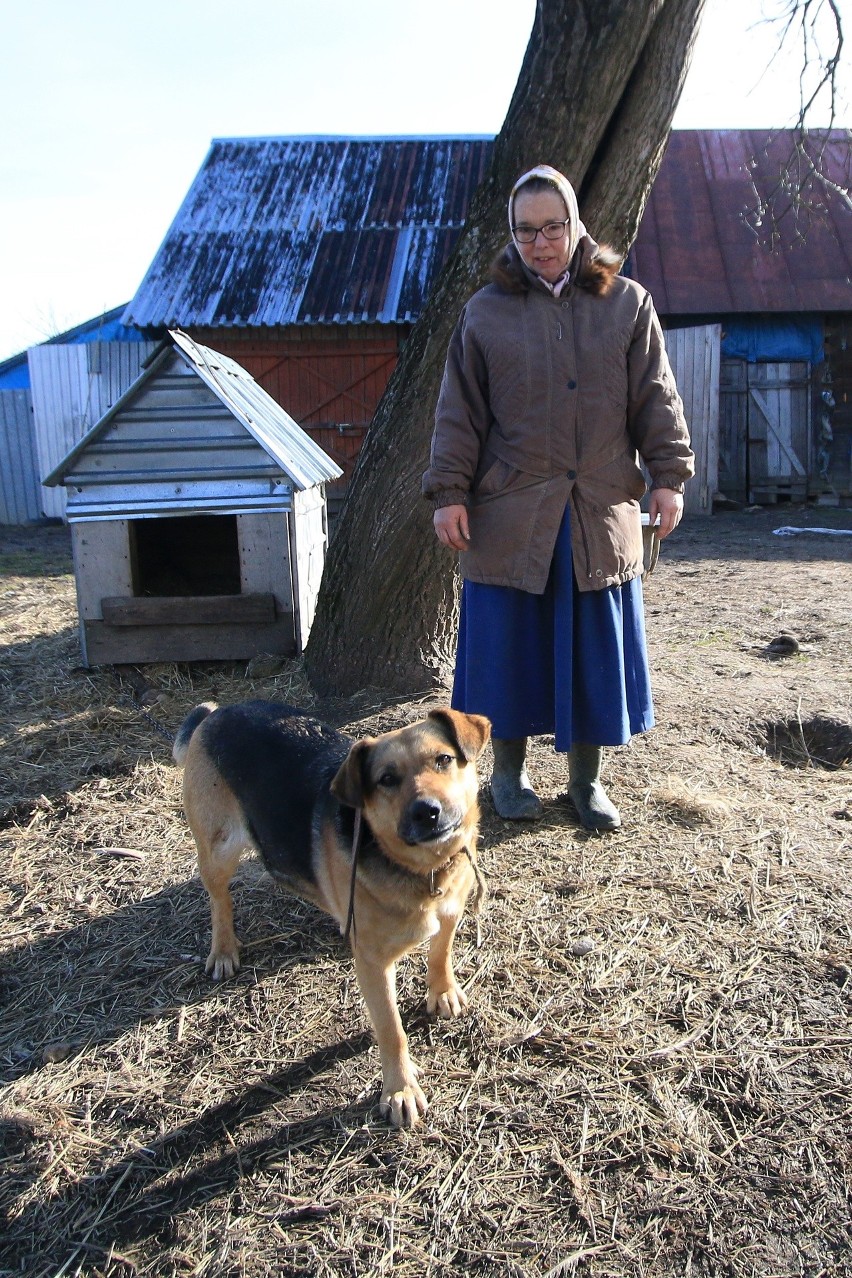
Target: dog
[[267, 776]]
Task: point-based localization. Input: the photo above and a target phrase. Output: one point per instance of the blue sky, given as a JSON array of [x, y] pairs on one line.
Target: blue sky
[[109, 108]]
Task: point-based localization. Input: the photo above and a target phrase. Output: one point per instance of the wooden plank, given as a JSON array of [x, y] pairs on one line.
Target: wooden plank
[[264, 547], [775, 429], [107, 645], [189, 610], [694, 356], [102, 563]]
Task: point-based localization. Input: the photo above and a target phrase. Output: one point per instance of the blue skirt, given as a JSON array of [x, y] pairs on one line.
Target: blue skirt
[[568, 662]]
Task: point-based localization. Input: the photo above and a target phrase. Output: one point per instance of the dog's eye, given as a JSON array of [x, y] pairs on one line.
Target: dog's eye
[[443, 761], [389, 780]]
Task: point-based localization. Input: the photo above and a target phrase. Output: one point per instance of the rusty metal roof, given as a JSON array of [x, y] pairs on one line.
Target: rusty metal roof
[[721, 235], [279, 231], [311, 231]]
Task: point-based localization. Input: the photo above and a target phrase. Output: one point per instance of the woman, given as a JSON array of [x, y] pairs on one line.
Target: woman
[[556, 378]]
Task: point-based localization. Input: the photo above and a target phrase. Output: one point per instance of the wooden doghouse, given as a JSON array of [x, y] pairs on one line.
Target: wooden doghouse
[[198, 516]]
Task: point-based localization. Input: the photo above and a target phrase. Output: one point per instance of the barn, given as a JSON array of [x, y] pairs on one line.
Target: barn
[[198, 517], [747, 229]]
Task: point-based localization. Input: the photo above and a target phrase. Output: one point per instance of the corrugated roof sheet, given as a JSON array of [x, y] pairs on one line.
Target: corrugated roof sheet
[[311, 231], [720, 234], [281, 231]]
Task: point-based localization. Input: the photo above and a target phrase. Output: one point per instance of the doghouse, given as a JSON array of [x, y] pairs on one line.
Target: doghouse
[[198, 517]]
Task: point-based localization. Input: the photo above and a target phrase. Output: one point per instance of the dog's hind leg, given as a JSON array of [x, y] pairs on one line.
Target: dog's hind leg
[[445, 996], [403, 1100], [218, 858]]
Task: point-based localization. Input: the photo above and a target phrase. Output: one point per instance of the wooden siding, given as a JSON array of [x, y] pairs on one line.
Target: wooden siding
[[694, 357], [20, 491], [172, 447]]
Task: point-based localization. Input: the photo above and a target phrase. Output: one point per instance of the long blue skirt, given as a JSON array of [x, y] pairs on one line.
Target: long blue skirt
[[568, 662]]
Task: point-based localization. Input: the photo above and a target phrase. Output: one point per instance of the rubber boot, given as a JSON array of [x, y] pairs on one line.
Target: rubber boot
[[594, 808], [514, 797]]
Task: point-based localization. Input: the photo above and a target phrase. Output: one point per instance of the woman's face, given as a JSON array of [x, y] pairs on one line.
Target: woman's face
[[548, 258]]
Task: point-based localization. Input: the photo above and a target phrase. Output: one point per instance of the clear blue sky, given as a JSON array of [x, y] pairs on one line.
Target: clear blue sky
[[109, 108]]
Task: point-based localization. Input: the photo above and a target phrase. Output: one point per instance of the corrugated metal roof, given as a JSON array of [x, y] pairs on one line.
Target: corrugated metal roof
[[311, 231], [720, 234], [281, 231], [157, 434]]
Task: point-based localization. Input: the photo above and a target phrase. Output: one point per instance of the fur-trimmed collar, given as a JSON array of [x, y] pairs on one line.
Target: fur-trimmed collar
[[593, 267]]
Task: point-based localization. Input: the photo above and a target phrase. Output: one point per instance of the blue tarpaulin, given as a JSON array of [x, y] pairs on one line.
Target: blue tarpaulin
[[760, 337]]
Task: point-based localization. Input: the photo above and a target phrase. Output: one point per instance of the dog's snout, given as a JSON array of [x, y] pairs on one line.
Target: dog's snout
[[422, 820], [426, 812]]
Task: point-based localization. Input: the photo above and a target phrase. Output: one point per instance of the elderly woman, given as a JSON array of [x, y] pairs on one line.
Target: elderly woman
[[556, 383]]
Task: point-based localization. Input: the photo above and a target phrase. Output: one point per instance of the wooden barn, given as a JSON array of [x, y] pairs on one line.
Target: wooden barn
[[198, 515], [309, 259], [744, 229]]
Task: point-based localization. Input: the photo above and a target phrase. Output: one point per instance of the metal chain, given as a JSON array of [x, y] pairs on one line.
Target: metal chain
[[130, 694]]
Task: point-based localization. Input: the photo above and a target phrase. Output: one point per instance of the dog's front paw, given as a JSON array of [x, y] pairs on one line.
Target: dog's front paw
[[403, 1100], [223, 963], [449, 1001]]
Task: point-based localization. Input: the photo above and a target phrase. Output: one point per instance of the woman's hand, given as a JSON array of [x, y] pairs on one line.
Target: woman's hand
[[452, 527], [668, 504]]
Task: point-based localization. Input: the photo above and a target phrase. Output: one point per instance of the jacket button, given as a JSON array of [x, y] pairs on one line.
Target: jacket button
[[571, 384], [565, 305], [572, 474], [599, 572]]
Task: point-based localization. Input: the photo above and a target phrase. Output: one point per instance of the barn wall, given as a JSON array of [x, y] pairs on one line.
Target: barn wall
[[329, 378]]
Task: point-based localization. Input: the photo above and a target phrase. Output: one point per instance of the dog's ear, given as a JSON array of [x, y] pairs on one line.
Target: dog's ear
[[470, 732], [348, 784]]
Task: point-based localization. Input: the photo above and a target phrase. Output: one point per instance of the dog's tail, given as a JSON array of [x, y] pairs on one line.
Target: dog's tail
[[186, 729]]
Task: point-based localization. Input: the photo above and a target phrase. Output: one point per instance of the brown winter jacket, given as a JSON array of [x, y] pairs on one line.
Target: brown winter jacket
[[548, 400]]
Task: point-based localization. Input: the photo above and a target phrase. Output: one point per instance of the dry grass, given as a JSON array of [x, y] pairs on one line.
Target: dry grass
[[655, 1077]]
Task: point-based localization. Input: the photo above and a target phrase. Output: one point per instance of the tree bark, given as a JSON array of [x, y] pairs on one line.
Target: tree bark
[[595, 98]]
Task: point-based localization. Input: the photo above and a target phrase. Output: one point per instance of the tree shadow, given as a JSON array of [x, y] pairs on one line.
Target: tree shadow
[[84, 987], [131, 968], [140, 1196]]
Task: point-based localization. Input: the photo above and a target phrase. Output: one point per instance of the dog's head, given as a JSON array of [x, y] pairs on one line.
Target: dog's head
[[418, 785]]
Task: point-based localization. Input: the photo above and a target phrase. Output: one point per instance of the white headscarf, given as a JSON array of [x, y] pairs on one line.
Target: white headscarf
[[576, 229]]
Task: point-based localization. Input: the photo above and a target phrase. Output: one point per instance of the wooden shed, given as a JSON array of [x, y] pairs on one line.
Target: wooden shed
[[198, 517]]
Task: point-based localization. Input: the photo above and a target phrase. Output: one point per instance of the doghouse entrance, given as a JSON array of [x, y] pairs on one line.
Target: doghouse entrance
[[188, 556]]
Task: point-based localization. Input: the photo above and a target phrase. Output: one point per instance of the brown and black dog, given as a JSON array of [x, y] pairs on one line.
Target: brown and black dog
[[267, 776]]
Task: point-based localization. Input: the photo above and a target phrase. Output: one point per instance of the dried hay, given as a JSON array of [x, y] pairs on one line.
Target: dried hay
[[655, 1077]]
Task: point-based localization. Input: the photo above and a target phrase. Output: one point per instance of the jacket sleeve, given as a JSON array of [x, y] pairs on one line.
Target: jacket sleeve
[[462, 420], [655, 417]]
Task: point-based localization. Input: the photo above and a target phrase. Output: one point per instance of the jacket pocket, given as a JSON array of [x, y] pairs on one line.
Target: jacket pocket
[[494, 480]]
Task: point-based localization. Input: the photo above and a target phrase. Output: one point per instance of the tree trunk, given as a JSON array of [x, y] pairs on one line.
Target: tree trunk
[[595, 98]]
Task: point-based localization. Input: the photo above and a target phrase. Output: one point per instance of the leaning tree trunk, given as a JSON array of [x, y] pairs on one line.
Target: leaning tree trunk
[[595, 98]]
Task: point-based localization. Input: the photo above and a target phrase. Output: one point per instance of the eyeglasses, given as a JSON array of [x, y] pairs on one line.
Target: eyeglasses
[[550, 231]]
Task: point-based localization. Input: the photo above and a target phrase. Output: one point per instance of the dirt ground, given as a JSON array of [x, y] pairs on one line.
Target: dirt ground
[[655, 1077]]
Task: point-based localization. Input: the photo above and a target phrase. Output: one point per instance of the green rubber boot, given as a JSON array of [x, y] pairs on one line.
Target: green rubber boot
[[514, 797], [595, 810]]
